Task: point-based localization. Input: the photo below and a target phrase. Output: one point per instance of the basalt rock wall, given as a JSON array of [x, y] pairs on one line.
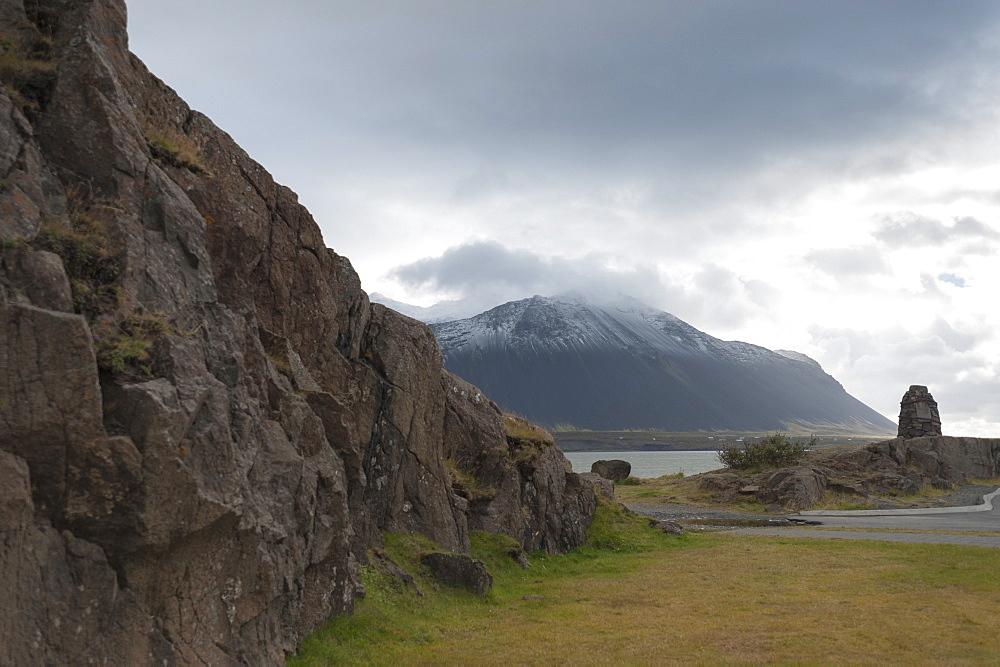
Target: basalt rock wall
[[204, 423]]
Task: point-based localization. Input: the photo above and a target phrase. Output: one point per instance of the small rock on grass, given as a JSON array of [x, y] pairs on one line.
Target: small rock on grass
[[668, 527]]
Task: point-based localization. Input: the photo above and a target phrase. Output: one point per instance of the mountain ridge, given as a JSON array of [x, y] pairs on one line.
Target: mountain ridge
[[618, 364]]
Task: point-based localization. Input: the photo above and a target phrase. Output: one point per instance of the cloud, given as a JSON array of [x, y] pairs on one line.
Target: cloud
[[696, 94], [847, 262], [489, 273], [956, 361], [908, 229]]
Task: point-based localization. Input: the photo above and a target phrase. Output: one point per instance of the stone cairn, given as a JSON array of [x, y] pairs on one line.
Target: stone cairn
[[918, 414]]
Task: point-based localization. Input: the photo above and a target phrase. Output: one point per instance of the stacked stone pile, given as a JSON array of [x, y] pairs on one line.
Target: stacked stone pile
[[918, 414]]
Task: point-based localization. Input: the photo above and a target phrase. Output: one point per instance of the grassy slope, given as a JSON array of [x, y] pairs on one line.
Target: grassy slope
[[637, 596]]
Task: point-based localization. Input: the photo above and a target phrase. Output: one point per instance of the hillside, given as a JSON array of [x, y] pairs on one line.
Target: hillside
[[569, 361]]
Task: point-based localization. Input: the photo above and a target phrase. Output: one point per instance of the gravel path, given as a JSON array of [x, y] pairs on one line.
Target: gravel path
[[960, 497], [674, 511]]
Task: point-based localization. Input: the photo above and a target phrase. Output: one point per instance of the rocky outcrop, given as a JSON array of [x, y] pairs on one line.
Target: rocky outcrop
[[897, 467], [796, 488], [204, 423], [524, 488]]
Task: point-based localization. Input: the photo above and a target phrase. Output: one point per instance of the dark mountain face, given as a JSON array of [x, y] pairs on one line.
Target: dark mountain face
[[565, 360]]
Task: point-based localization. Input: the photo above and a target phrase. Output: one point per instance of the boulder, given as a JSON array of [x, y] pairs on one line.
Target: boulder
[[614, 469], [794, 488], [459, 570], [719, 481], [602, 486]]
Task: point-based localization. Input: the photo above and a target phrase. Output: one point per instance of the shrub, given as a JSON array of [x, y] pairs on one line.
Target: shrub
[[773, 451], [122, 351]]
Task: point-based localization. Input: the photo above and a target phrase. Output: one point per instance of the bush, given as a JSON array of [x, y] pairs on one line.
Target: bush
[[774, 451]]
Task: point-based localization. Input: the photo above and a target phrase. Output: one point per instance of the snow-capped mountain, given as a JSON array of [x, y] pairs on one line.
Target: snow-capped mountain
[[609, 365]]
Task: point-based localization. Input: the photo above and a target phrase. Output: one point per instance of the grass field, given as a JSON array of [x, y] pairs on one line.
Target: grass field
[[636, 596]]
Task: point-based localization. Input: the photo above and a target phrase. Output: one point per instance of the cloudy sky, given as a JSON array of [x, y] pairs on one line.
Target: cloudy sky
[[822, 175]]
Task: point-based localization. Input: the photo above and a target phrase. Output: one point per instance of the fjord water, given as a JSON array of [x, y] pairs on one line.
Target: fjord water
[[651, 464]]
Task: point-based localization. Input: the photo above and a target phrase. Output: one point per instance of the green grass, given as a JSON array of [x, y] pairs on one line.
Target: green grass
[[636, 596]]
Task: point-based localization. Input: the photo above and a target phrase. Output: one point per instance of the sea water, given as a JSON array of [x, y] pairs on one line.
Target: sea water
[[651, 464]]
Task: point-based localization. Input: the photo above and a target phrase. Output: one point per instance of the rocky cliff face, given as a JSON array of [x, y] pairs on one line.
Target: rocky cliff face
[[204, 423]]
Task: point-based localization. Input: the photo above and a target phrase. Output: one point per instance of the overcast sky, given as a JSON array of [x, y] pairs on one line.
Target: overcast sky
[[822, 176]]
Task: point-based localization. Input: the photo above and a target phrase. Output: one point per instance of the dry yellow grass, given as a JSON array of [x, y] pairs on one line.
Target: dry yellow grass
[[727, 599], [520, 428], [755, 600], [684, 490]]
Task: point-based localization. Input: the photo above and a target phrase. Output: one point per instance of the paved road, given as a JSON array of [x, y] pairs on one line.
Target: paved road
[[969, 521]]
